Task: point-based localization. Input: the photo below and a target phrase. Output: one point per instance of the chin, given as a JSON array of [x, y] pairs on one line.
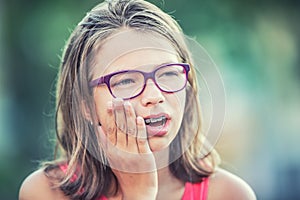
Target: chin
[[158, 144]]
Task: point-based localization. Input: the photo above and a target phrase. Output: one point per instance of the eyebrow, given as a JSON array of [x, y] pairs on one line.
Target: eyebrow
[[159, 65], [155, 65]]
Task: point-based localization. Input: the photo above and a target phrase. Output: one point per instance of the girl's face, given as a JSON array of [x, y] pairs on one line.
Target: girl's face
[[131, 50]]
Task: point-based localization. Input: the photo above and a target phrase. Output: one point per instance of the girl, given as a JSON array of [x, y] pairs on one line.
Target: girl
[[128, 116]]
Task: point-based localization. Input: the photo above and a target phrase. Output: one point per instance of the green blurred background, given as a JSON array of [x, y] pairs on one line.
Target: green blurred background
[[255, 44]]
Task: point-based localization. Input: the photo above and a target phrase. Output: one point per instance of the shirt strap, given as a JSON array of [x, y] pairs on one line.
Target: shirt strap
[[196, 191]]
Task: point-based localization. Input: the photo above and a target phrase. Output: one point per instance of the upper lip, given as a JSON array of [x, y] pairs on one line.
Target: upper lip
[[158, 115]]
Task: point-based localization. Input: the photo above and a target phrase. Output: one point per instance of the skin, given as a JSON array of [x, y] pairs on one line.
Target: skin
[[144, 52], [152, 101], [133, 149], [223, 185]]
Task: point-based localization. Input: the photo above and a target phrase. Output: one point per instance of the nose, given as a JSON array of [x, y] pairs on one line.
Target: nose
[[151, 94]]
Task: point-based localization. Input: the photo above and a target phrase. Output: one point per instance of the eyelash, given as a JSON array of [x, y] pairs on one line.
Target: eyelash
[[122, 82]]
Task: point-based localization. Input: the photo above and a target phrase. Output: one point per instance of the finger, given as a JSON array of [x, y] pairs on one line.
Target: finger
[[111, 129], [120, 119], [130, 119], [141, 139], [131, 126]]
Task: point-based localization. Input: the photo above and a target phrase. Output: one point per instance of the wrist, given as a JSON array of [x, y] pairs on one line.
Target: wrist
[[138, 195]]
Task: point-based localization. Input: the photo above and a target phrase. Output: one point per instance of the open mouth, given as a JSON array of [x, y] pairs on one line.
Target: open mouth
[[157, 125], [157, 121]]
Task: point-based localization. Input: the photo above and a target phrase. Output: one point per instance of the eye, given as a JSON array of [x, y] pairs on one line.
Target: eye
[[122, 82], [169, 73]]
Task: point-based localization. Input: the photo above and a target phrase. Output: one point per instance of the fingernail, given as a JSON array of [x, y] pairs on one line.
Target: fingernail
[[127, 105], [117, 102], [109, 105], [139, 120]]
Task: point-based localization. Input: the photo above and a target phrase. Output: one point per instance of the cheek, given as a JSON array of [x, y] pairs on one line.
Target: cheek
[[177, 101], [178, 104], [101, 98]]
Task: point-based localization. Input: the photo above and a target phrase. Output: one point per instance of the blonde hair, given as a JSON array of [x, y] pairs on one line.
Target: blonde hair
[[74, 133]]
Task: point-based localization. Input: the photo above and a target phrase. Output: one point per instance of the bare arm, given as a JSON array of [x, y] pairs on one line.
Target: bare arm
[[38, 186], [225, 185]]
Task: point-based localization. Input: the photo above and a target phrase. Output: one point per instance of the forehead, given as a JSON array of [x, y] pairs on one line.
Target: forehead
[[129, 49]]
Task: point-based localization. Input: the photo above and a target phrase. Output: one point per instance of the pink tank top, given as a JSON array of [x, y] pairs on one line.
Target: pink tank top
[[192, 191]]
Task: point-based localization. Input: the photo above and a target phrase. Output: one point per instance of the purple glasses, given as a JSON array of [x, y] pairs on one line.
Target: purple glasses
[[128, 84]]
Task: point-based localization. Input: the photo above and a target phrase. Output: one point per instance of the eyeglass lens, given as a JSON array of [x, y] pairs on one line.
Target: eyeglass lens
[[170, 78]]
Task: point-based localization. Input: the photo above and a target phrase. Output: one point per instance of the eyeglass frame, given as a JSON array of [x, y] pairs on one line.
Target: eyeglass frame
[[147, 75]]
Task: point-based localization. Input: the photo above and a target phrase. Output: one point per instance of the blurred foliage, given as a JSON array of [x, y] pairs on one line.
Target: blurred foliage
[[255, 44]]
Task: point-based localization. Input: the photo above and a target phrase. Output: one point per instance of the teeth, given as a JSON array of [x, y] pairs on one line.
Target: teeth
[[151, 121]]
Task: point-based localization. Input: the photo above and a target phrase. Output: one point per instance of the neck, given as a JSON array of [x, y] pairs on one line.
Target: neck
[[165, 177], [168, 184]]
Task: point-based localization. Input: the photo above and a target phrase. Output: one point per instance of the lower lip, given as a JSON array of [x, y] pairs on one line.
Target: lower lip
[[158, 130]]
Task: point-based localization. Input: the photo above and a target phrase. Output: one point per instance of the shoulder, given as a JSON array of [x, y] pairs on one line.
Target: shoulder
[[38, 186], [225, 185]]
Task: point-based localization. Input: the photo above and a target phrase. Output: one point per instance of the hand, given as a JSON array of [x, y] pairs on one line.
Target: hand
[[125, 143]]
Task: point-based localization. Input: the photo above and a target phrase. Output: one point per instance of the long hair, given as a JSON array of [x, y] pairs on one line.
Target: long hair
[[75, 133]]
